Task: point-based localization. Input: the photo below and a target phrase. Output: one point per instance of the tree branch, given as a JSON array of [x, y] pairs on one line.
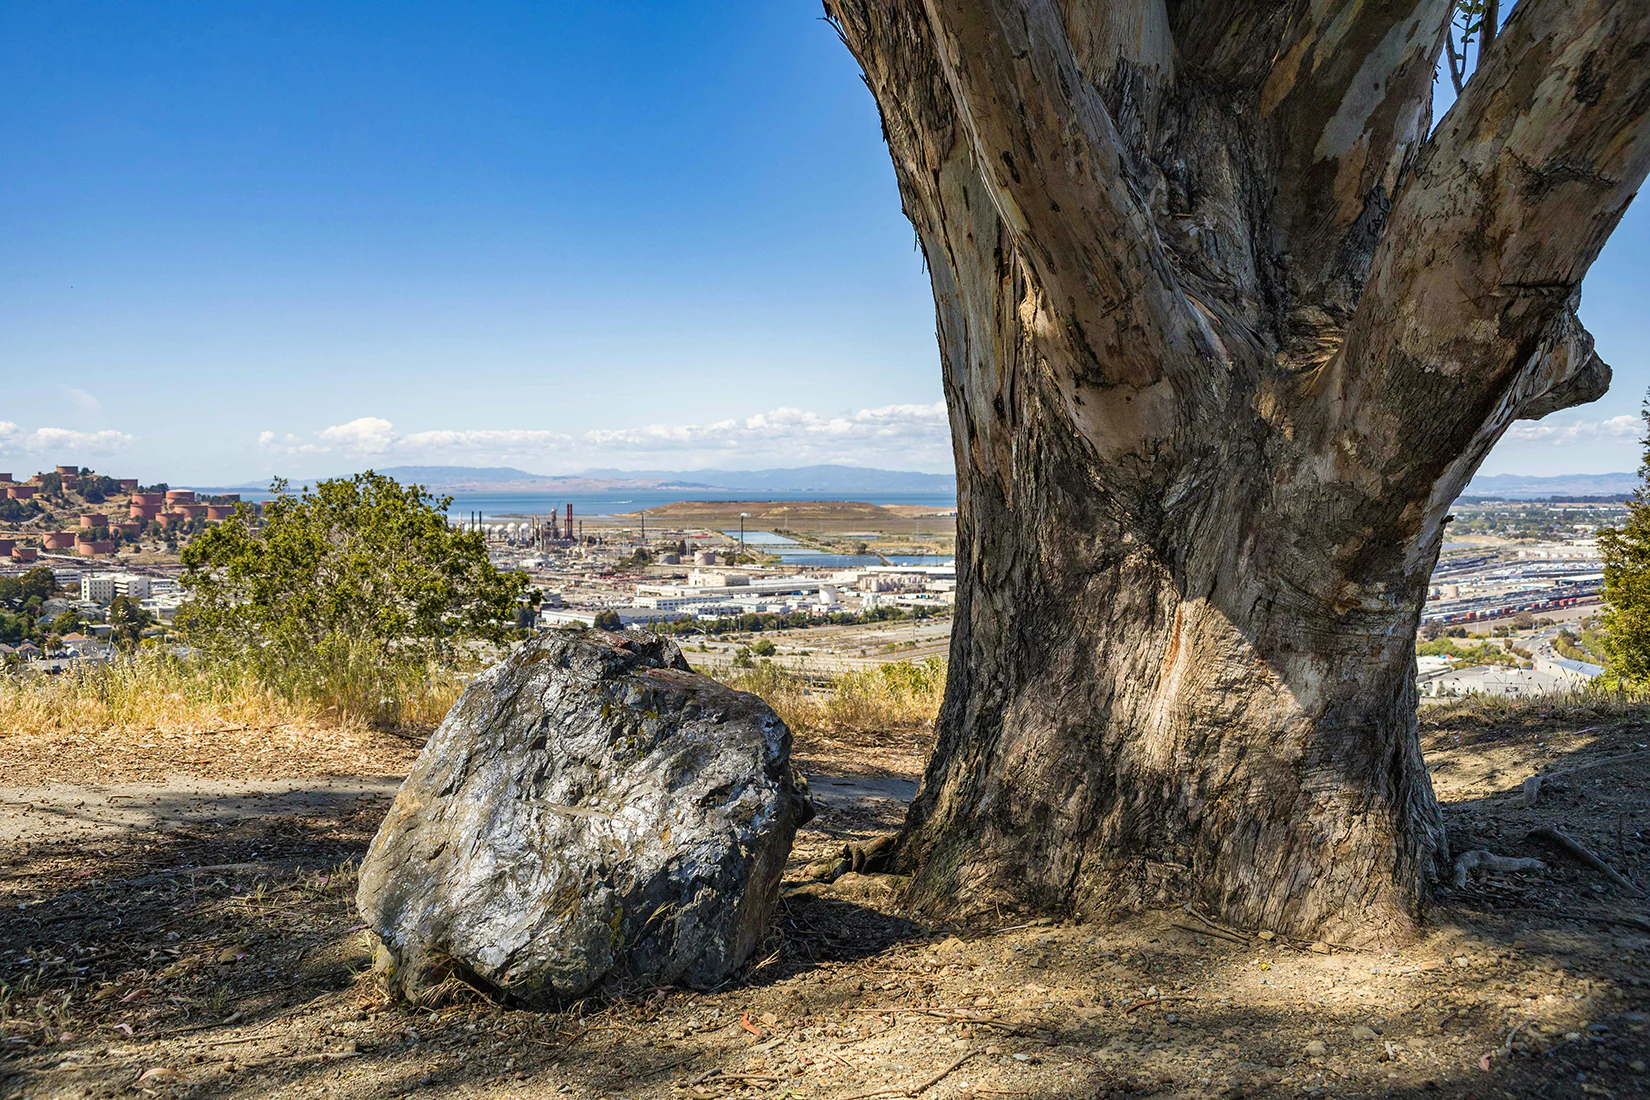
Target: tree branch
[[1507, 206], [1566, 372], [1348, 99], [1047, 151]]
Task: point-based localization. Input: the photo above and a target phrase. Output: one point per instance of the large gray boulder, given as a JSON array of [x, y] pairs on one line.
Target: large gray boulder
[[590, 813]]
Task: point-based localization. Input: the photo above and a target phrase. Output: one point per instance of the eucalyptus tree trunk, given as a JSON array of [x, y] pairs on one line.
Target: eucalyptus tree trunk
[[1224, 332]]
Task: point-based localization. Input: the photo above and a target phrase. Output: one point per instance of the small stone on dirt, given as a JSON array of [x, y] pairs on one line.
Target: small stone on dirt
[[1316, 1049]]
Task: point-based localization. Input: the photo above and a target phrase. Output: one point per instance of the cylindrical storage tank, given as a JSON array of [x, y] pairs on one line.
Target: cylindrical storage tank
[[167, 519], [70, 470], [4, 478], [6, 547], [24, 553], [180, 496], [20, 492], [69, 481], [157, 499], [128, 484], [93, 519], [58, 540], [190, 510], [130, 530], [233, 498], [144, 512], [219, 511]]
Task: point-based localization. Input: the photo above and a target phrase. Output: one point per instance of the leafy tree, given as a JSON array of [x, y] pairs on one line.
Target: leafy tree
[[14, 628], [762, 647], [363, 568], [67, 623], [1626, 554], [38, 583], [129, 621], [608, 620]]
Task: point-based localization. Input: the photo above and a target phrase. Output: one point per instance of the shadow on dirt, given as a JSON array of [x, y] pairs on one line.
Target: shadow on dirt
[[226, 960]]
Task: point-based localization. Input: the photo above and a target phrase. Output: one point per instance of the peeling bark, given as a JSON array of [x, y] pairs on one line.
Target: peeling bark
[[1223, 334]]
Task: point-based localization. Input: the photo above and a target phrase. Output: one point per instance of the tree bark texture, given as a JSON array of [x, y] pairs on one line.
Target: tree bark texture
[[1225, 327]]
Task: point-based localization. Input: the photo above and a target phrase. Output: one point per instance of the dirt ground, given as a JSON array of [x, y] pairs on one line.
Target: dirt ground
[[205, 944]]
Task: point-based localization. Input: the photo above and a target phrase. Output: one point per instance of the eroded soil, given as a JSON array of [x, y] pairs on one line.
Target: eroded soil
[[219, 955]]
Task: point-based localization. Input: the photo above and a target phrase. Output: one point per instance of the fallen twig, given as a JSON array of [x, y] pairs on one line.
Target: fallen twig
[[975, 1019], [1214, 932], [1569, 845], [920, 1087], [1144, 1001], [1216, 926], [210, 869]]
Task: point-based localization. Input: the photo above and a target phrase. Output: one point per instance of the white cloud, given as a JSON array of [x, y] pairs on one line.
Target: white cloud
[[905, 435], [63, 444], [287, 444], [83, 404], [487, 439], [1583, 431], [370, 435]]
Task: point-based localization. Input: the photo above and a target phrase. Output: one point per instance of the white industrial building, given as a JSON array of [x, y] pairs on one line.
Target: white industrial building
[[102, 588], [1494, 680]]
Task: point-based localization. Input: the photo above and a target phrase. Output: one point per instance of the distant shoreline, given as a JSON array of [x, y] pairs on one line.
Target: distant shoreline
[[625, 502]]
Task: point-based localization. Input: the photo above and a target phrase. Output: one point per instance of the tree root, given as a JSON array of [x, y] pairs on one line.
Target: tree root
[[1531, 789], [1480, 860], [872, 858], [1573, 848]]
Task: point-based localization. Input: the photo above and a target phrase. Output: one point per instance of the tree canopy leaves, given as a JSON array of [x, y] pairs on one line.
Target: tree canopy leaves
[[358, 565]]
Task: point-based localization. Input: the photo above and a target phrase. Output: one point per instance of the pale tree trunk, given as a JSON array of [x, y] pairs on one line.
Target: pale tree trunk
[[1224, 333]]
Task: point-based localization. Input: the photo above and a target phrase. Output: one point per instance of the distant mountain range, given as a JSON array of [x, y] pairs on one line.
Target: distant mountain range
[[1522, 487], [866, 479], [801, 479]]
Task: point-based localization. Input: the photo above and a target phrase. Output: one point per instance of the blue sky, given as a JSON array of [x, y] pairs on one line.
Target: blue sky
[[245, 239]]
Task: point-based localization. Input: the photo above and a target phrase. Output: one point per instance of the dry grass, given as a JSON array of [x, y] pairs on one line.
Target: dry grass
[[902, 695], [1586, 706], [156, 691]]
